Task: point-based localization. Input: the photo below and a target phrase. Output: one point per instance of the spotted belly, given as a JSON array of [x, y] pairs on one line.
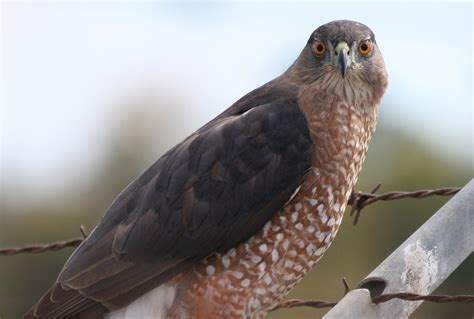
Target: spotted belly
[[251, 279]]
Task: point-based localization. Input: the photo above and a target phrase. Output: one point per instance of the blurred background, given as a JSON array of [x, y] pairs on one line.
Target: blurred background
[[92, 93]]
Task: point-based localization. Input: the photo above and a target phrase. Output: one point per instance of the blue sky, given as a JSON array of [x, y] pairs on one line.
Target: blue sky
[[64, 65]]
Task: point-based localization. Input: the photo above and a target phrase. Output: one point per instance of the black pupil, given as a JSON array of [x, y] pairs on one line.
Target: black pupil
[[320, 48], [364, 47]]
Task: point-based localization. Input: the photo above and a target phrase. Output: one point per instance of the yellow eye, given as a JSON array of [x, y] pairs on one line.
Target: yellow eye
[[319, 48], [365, 47]]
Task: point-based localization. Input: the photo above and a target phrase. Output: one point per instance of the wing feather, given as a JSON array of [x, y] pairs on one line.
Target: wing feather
[[207, 194]]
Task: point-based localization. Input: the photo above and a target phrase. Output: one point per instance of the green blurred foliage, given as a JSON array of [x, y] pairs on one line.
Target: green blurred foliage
[[399, 161]]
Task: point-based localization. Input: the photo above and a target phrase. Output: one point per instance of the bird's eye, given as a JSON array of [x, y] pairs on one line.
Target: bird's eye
[[365, 47], [319, 48]]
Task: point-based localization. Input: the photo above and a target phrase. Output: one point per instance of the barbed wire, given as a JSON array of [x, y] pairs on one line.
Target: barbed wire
[[358, 201], [41, 248], [432, 298], [292, 303]]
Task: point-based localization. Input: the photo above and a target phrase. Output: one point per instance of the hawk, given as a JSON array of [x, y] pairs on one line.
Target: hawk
[[228, 221]]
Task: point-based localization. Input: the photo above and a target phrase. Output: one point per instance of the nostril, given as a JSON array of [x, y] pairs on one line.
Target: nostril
[[336, 52], [375, 286]]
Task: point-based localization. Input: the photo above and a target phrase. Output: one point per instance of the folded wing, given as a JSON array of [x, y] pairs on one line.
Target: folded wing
[[207, 194]]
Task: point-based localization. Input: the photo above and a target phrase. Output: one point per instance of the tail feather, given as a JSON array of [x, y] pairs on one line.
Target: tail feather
[[58, 302]]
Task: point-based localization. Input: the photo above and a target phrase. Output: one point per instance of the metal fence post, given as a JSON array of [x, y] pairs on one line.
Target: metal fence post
[[419, 265]]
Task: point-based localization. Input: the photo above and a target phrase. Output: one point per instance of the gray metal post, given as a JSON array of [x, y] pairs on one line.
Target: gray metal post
[[419, 265]]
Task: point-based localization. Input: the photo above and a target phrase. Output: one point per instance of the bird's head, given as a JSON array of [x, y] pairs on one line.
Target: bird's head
[[343, 54]]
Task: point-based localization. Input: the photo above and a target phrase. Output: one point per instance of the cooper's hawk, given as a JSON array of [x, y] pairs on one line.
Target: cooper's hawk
[[228, 221]]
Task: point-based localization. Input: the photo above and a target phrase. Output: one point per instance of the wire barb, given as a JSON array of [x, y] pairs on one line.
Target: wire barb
[[83, 231], [346, 286], [292, 303], [359, 200]]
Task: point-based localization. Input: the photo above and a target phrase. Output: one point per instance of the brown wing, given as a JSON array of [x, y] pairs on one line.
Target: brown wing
[[207, 194]]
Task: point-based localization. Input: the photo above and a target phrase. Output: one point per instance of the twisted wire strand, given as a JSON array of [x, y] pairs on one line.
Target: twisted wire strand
[[292, 303], [431, 298], [359, 200], [41, 248]]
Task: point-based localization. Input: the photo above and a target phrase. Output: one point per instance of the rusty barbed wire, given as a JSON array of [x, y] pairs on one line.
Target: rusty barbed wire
[[432, 298], [41, 248], [358, 200], [292, 303]]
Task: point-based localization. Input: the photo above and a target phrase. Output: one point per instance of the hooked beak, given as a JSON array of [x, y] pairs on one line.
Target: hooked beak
[[341, 55]]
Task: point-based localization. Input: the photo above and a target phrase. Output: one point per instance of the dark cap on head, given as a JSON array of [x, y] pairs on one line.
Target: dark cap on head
[[342, 30]]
